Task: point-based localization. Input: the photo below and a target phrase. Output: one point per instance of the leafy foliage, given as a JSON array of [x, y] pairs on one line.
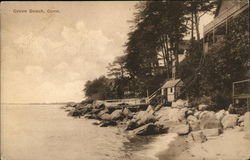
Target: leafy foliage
[[100, 88], [226, 62]]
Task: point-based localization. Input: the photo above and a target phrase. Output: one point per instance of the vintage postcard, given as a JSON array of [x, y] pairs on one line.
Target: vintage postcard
[[125, 80]]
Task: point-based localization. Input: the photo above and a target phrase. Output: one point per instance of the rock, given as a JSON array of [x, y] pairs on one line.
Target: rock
[[203, 113], [103, 114], [229, 121], [241, 119], [116, 115], [197, 114], [219, 115], [96, 110], [194, 125], [180, 104], [212, 132], [241, 124], [96, 123], [168, 114], [75, 113], [131, 125], [69, 109], [181, 129], [127, 113], [208, 120], [107, 123], [182, 114], [148, 129], [166, 124], [144, 117], [247, 121], [90, 116], [72, 104], [191, 118], [98, 104], [203, 107], [198, 136], [190, 112]]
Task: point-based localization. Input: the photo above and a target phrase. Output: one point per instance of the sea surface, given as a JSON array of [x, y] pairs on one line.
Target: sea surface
[[45, 132]]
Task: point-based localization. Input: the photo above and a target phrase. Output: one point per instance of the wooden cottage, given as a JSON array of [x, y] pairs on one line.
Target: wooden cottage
[[226, 11], [170, 91]]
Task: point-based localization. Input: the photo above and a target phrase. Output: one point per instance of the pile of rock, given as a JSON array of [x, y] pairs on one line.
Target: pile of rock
[[196, 122]]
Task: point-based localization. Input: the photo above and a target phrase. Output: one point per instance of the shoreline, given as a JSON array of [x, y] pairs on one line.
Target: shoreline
[[194, 131]]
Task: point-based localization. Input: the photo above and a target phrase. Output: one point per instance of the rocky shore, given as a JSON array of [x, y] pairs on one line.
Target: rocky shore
[[197, 125]]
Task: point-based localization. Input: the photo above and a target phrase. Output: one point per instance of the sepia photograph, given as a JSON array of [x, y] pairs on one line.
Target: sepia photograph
[[125, 80]]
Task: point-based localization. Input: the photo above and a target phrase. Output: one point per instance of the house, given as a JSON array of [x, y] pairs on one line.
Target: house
[[171, 89], [226, 11]]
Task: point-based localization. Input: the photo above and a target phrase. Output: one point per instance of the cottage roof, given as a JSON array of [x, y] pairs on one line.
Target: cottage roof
[[171, 83]]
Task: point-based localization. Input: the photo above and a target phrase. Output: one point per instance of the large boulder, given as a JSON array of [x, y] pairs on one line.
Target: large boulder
[[104, 115], [182, 113], [95, 110], [180, 104], [181, 129], [166, 124], [144, 117], [212, 132], [194, 123], [208, 120], [203, 107], [229, 121], [98, 104], [117, 115], [191, 118], [127, 113], [190, 112], [247, 121], [148, 129], [168, 114], [141, 118], [241, 119], [197, 114], [75, 113], [198, 136], [219, 115], [131, 125]]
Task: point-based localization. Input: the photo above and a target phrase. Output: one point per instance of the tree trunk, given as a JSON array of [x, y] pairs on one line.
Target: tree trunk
[[192, 28], [197, 26]]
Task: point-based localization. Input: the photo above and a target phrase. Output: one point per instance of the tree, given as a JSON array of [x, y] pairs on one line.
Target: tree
[[226, 62], [117, 67], [159, 28], [99, 88], [195, 9]]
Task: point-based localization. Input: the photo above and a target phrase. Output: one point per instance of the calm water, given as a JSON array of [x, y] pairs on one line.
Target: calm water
[[44, 132]]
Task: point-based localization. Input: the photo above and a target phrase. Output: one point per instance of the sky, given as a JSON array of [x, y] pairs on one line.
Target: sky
[[48, 57]]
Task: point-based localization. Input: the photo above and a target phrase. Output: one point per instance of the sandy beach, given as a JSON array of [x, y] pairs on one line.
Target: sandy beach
[[233, 144]]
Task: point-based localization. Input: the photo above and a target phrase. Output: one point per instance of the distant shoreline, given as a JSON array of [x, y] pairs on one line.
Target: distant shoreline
[[55, 103]]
